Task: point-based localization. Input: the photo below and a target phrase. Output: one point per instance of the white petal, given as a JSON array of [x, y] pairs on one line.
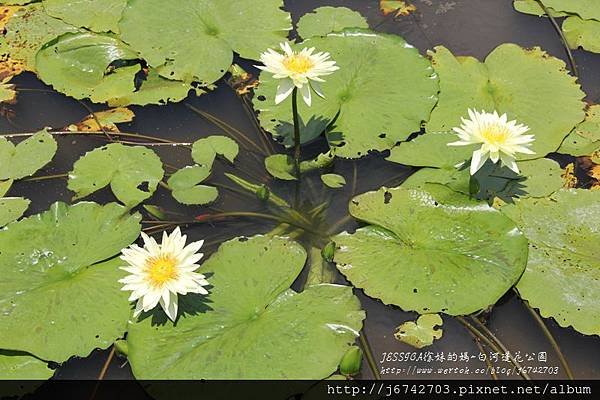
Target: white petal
[[305, 91], [479, 158], [317, 88], [170, 308], [284, 89]]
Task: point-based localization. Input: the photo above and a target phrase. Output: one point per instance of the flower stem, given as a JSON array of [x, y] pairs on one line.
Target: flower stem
[[44, 177], [296, 132], [364, 343]]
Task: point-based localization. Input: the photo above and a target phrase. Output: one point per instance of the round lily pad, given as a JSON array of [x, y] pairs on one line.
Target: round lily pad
[[562, 278], [426, 256], [59, 297], [528, 85], [197, 40], [251, 325], [383, 90], [96, 15], [324, 20]]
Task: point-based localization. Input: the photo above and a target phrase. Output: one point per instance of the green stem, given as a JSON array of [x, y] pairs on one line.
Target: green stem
[[115, 134], [551, 339], [364, 343], [42, 178], [296, 132]]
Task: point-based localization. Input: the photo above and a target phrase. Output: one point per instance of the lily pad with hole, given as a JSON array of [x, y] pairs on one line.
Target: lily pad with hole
[[584, 33], [186, 189], [324, 20], [29, 30], [249, 316], [127, 169], [383, 90], [420, 333], [205, 150], [585, 138], [95, 15], [59, 293], [528, 85], [197, 40], [12, 208], [562, 278], [424, 255], [26, 157]]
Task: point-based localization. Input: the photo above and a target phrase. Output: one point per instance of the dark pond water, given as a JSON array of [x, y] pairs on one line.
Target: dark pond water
[[466, 27]]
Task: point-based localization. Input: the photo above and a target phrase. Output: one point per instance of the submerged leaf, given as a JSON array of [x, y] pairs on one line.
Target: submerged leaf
[[205, 150], [420, 333], [185, 188], [124, 168], [103, 120], [59, 296], [528, 85], [324, 20], [562, 278], [424, 253], [12, 208], [96, 15], [378, 73], [27, 157], [250, 316]]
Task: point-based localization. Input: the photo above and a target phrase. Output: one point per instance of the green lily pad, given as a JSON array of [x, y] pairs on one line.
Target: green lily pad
[[185, 188], [21, 366], [324, 20], [281, 166], [27, 157], [423, 255], [250, 316], [205, 150], [29, 29], [125, 168], [12, 208], [585, 138], [197, 40], [533, 7], [562, 278], [587, 9], [420, 333], [584, 33], [59, 297], [383, 90], [155, 90], [529, 85], [334, 181], [5, 186], [96, 15], [431, 150]]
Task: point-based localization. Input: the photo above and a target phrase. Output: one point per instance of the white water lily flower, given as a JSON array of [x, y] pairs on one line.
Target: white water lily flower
[[297, 70], [500, 139], [160, 272]]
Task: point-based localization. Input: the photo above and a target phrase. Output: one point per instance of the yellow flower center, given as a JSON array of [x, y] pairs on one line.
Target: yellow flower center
[[298, 64], [161, 269], [495, 134]]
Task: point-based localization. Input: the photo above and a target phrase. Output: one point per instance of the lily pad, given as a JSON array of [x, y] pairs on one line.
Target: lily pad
[[8, 94], [12, 208], [96, 15], [30, 29], [185, 188], [423, 255], [562, 278], [324, 20], [585, 138], [383, 91], [588, 9], [431, 150], [124, 168], [584, 33], [333, 181], [529, 85], [27, 157], [197, 40], [21, 366], [156, 90], [59, 297], [205, 150], [533, 7], [420, 333], [281, 166], [250, 316], [398, 7], [103, 120]]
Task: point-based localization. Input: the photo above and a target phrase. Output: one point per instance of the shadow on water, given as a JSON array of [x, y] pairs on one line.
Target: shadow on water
[[466, 27]]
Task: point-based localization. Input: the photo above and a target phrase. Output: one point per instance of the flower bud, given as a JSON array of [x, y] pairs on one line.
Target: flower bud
[[328, 251], [350, 364], [263, 193]]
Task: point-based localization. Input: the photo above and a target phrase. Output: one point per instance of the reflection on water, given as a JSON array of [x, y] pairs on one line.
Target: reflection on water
[[469, 27]]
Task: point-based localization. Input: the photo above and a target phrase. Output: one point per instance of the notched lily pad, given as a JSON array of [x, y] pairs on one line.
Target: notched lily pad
[[324, 20], [205, 150], [127, 169], [281, 166], [562, 278], [250, 315], [59, 296], [186, 189], [27, 157], [420, 333], [333, 181], [430, 253]]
